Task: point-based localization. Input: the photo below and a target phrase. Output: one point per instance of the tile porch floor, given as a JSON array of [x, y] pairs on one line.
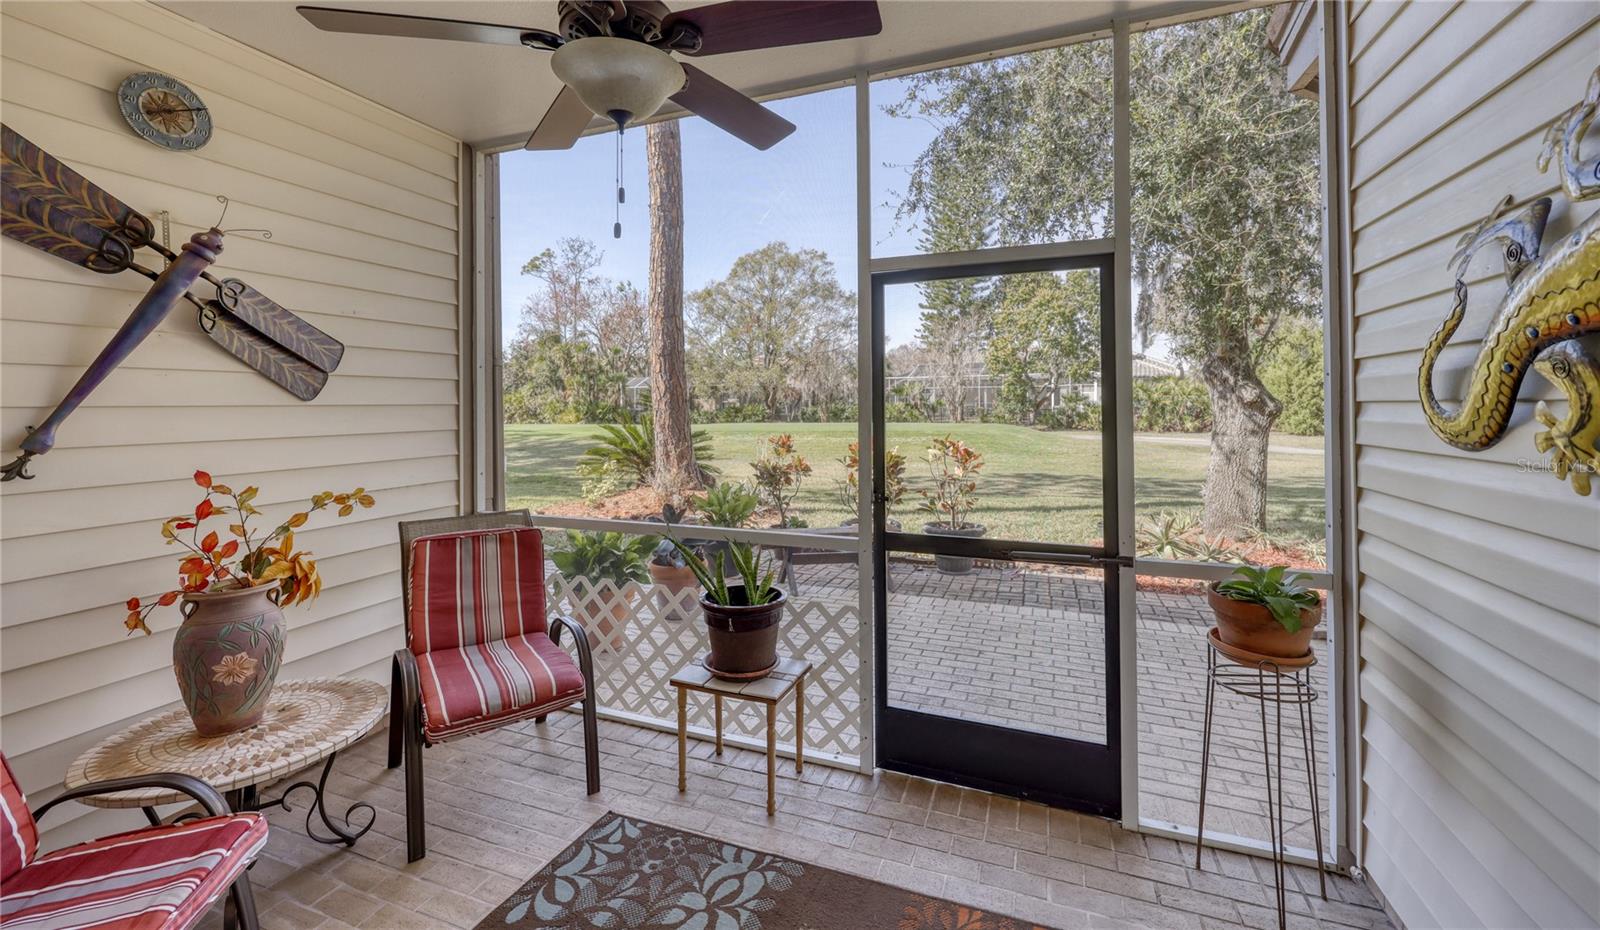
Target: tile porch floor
[[501, 804]]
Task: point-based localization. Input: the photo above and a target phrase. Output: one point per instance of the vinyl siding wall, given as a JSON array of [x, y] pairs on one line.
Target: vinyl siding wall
[[1479, 580], [362, 205]]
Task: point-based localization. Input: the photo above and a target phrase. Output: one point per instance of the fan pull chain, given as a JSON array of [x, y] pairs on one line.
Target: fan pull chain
[[622, 195]]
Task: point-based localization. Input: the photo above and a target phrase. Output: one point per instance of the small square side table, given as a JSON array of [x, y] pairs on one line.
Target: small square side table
[[787, 677]]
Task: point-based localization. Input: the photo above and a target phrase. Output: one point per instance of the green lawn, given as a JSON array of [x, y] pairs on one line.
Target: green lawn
[[1036, 485]]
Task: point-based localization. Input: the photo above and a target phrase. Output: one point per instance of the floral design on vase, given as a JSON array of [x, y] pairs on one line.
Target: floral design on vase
[[226, 656]]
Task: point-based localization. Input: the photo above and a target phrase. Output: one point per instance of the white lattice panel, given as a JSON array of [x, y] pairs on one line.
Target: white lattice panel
[[642, 635]]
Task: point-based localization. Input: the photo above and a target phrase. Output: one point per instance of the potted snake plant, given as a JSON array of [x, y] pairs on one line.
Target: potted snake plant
[[742, 617], [1260, 610]]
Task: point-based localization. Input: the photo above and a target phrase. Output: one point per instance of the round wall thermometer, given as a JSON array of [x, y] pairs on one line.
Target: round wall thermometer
[[164, 111]]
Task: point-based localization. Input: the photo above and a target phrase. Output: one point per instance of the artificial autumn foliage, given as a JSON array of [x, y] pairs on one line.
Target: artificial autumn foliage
[[247, 559]]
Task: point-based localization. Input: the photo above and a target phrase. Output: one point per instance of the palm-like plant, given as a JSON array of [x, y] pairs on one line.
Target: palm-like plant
[[631, 447]]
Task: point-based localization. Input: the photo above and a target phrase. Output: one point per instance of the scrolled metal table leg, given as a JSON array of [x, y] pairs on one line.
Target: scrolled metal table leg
[[337, 835]]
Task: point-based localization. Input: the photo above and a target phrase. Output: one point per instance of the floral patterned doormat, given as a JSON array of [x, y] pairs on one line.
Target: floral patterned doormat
[[627, 873]]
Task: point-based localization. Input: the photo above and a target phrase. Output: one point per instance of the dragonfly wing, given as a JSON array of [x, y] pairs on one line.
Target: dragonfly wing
[[282, 367], [45, 204], [272, 322]]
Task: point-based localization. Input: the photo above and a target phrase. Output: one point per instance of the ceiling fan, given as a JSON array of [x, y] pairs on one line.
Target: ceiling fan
[[614, 56]]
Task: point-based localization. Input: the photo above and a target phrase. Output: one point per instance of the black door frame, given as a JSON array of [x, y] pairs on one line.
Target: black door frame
[[1056, 770]]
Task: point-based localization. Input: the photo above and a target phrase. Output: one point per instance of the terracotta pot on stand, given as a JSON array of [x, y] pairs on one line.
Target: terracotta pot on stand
[[226, 655], [744, 638], [1251, 628]]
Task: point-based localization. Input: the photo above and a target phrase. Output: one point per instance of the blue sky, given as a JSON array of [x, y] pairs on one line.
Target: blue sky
[[736, 198]]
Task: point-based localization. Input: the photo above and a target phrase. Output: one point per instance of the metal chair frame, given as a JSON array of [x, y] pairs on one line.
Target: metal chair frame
[[406, 736], [241, 906]]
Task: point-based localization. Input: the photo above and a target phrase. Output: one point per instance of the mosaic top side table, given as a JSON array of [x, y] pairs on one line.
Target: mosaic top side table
[[306, 722], [787, 677], [1271, 682]]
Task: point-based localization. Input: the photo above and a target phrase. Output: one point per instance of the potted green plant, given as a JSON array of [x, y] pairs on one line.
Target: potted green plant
[[955, 467], [1259, 610], [598, 558], [741, 619]]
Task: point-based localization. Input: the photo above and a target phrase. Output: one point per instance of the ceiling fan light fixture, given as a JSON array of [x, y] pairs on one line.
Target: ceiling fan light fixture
[[620, 79]]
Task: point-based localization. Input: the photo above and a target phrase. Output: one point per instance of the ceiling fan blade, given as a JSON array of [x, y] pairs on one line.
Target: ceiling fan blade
[[726, 108], [742, 25], [562, 124], [369, 23]]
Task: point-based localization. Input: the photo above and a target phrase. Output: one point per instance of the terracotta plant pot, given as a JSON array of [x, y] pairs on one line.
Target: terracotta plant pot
[[954, 564], [605, 617], [673, 581], [1253, 628], [744, 639], [226, 656]]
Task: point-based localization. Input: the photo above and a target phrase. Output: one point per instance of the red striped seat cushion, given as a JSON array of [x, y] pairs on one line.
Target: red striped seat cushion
[[19, 838], [475, 587], [162, 877], [481, 686]]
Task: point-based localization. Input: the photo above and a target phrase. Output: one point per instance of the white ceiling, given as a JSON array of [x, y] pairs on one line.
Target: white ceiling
[[488, 94]]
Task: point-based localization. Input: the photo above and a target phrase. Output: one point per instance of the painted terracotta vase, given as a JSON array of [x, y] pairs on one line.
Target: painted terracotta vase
[[226, 656]]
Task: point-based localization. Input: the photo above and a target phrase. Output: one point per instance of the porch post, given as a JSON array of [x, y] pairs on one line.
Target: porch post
[[1122, 331]]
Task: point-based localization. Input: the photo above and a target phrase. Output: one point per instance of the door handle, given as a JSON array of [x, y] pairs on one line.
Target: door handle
[[1071, 558]]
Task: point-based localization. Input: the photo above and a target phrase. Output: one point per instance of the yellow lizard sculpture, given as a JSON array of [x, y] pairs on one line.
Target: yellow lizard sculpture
[[1551, 300]]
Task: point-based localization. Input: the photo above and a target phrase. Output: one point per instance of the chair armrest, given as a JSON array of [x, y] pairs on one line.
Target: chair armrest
[[580, 638], [203, 793]]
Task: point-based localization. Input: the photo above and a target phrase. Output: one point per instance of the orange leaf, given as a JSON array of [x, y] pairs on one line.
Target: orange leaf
[[133, 603], [221, 489], [191, 565], [228, 549], [136, 622], [236, 529], [204, 509], [346, 509], [168, 599], [203, 479], [298, 519], [185, 525], [366, 500], [209, 543]]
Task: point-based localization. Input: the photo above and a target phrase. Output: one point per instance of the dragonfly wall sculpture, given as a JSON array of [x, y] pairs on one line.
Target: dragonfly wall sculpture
[[47, 205]]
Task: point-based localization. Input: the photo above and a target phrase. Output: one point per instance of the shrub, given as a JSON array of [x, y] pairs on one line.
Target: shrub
[[894, 479], [1075, 412], [602, 479], [1171, 404], [1295, 373], [778, 471], [728, 503]]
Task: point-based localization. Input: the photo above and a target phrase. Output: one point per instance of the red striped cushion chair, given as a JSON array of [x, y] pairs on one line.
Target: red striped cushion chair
[[480, 651], [155, 878]]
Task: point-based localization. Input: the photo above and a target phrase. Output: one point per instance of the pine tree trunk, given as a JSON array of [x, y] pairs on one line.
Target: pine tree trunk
[[1243, 411], [675, 467]]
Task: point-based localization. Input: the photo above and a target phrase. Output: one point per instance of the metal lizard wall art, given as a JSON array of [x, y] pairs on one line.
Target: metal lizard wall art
[[47, 205], [1551, 300]]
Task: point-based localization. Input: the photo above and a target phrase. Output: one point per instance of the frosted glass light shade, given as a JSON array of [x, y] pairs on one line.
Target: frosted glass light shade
[[618, 76]]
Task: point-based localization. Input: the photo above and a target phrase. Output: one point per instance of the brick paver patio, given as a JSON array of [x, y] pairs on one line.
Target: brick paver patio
[[1023, 648]]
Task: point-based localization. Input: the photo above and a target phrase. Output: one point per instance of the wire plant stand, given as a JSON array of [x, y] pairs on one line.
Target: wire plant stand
[[1273, 683]]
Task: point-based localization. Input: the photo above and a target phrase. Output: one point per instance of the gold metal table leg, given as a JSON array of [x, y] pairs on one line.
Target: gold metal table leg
[[683, 739], [772, 760], [800, 724]]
